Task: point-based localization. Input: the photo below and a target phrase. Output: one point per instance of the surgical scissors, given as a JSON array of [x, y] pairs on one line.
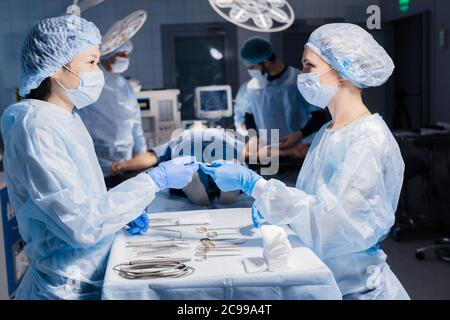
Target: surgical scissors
[[212, 233], [204, 249]]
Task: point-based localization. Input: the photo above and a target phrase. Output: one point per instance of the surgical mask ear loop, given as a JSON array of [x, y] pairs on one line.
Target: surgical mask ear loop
[[71, 71], [323, 73]]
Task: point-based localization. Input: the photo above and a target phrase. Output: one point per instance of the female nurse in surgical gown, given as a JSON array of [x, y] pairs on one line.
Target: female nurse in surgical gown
[[347, 192], [65, 215]]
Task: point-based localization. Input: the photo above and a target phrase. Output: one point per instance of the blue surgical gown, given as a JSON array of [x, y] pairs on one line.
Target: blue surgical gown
[[114, 123], [279, 105], [65, 215], [242, 103], [344, 205]]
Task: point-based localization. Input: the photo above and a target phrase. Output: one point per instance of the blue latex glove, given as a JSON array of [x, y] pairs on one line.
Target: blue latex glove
[[230, 176], [140, 225], [257, 217], [176, 173]]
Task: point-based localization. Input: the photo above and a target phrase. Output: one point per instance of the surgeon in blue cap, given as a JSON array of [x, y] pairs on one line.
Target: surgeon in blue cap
[[66, 216], [114, 121], [277, 103]]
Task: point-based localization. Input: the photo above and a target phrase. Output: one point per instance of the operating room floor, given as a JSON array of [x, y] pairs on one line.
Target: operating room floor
[[423, 280]]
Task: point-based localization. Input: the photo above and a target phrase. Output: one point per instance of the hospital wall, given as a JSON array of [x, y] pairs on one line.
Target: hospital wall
[[17, 17], [440, 57]]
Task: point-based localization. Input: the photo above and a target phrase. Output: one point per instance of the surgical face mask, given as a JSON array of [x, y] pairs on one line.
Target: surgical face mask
[[259, 76], [314, 91], [120, 65], [89, 89]]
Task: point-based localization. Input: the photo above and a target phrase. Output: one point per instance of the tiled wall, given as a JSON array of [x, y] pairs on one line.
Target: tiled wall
[[18, 16]]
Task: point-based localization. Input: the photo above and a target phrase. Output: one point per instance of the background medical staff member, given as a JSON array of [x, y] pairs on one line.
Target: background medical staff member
[[348, 188], [241, 107], [114, 121], [278, 104], [65, 215]]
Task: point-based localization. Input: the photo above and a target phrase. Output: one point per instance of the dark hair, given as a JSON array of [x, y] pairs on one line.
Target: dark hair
[[42, 92]]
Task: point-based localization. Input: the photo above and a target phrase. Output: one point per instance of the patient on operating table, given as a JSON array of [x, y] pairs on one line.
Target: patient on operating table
[[206, 145]]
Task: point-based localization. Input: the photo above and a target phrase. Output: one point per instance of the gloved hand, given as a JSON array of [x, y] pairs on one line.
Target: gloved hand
[[176, 173], [140, 225], [257, 217], [230, 176]]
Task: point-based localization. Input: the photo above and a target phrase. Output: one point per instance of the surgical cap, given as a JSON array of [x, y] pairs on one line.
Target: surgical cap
[[126, 47], [50, 45], [352, 52], [255, 51]]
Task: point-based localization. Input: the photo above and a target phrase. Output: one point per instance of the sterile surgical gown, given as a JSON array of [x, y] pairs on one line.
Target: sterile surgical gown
[[65, 215], [279, 105], [114, 123], [242, 103], [344, 205]]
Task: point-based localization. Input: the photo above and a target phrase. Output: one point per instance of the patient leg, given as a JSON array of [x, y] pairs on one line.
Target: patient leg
[[228, 197], [196, 192]]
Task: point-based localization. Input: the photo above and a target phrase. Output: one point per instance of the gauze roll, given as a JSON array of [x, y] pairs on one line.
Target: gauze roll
[[277, 248]]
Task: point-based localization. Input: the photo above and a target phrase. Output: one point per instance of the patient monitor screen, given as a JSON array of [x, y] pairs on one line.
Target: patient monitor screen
[[213, 101]]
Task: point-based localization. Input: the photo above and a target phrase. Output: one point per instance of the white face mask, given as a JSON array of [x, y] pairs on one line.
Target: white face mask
[[314, 91], [259, 76], [89, 89], [120, 65]]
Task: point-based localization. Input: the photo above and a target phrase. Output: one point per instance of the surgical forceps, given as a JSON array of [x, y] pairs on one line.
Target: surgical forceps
[[230, 241], [171, 222], [155, 243], [156, 246], [180, 234]]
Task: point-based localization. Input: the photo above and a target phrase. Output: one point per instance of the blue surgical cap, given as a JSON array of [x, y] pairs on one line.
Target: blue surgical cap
[[126, 47], [255, 51], [50, 45], [352, 52]]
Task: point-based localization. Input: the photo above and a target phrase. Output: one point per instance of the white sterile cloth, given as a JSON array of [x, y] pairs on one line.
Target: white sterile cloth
[[197, 218], [254, 264], [221, 277]]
